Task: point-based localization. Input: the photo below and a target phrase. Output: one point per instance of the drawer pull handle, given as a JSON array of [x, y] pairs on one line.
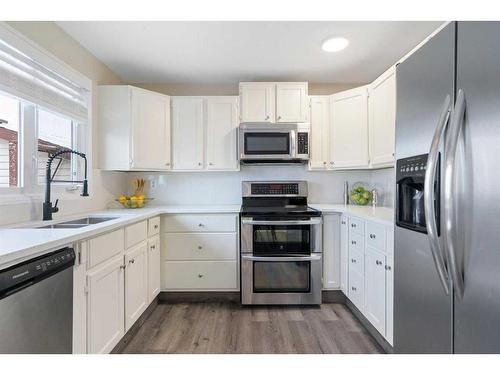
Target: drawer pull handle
[[156, 226], [372, 236], [153, 247], [200, 275], [201, 225], [132, 261], [353, 288], [200, 247], [122, 267], [378, 262], [353, 260], [353, 225], [353, 242], [388, 268]]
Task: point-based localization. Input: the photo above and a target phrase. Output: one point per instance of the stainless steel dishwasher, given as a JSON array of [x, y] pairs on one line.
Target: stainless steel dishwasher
[[36, 304]]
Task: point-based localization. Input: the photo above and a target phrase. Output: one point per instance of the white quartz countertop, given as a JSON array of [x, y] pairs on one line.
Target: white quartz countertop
[[383, 215], [22, 241]]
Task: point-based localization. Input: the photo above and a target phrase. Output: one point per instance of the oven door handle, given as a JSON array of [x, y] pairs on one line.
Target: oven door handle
[[313, 221], [282, 259]]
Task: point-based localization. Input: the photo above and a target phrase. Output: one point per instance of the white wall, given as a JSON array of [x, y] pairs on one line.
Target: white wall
[[225, 187]]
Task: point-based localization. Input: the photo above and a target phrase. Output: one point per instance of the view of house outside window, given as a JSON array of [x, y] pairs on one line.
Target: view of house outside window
[[10, 109]]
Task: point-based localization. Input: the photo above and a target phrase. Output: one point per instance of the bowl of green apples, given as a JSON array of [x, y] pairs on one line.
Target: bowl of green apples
[[360, 195]]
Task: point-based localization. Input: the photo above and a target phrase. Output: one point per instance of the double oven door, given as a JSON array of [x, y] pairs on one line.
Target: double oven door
[[281, 261]]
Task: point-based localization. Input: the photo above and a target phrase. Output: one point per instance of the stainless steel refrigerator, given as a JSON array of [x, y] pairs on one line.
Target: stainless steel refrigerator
[[447, 234]]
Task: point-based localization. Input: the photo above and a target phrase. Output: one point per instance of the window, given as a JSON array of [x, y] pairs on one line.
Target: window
[[44, 107], [9, 141]]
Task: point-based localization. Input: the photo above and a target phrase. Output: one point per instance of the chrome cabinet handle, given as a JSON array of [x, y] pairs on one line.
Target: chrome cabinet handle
[[153, 247], [388, 268], [200, 247], [201, 225], [353, 260], [267, 117], [156, 226], [378, 262], [210, 163], [429, 195], [353, 242], [132, 261], [354, 288], [199, 163], [200, 275], [449, 202], [122, 267], [279, 117], [353, 225], [372, 236]]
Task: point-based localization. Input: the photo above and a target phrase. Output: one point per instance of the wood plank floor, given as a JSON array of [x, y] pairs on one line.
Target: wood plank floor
[[228, 327]]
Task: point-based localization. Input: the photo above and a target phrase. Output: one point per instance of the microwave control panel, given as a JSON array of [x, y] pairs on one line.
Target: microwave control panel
[[303, 143]]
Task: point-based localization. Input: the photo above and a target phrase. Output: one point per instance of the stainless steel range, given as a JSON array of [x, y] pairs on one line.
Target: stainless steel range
[[281, 245]]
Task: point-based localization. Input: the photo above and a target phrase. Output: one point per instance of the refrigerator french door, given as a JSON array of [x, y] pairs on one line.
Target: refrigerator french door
[[463, 257]]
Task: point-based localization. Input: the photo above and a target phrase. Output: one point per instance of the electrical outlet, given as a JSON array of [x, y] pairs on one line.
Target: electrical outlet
[[153, 183]]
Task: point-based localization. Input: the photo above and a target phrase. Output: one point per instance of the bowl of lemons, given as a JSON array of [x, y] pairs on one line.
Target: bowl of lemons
[[360, 195], [138, 198]]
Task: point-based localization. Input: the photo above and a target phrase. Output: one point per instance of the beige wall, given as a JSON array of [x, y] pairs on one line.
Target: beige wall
[[105, 185], [232, 89]]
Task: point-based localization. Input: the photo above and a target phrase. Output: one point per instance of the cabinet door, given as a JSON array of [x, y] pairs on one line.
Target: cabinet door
[[331, 251], [389, 299], [349, 129], [150, 130], [320, 131], [136, 283], [344, 253], [105, 306], [80, 300], [375, 289], [154, 266], [187, 133], [382, 119], [291, 102], [257, 100], [222, 128]]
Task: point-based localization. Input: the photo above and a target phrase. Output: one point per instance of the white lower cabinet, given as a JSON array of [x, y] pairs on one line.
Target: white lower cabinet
[[331, 251], [344, 253], [105, 306], [375, 290], [356, 289], [154, 267], [136, 283], [200, 252]]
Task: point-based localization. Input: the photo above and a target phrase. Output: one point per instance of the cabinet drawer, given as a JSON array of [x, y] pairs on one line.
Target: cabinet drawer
[[104, 247], [356, 290], [204, 275], [356, 242], [153, 226], [199, 246], [375, 236], [356, 261], [200, 223], [136, 233], [356, 226]]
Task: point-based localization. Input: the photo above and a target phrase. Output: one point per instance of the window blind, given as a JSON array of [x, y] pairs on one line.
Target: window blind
[[25, 78]]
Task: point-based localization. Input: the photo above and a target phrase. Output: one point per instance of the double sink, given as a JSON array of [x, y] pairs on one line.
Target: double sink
[[79, 223]]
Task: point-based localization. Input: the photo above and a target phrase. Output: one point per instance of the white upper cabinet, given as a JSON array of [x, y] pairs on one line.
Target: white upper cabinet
[[188, 133], [320, 129], [349, 129], [222, 130], [134, 129], [382, 119], [257, 101], [274, 102], [204, 133], [291, 102]]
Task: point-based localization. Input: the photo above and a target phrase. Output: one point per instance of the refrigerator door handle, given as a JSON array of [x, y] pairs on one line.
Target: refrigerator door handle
[[429, 195], [456, 122]]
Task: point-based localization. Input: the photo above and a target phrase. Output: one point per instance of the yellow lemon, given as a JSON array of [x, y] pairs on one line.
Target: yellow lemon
[[122, 199]]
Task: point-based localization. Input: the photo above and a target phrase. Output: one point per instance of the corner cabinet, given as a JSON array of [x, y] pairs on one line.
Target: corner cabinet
[[349, 129], [320, 133], [274, 102], [134, 129], [382, 119], [204, 133]]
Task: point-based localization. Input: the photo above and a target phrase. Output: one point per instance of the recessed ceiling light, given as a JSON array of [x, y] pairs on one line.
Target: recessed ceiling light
[[335, 44]]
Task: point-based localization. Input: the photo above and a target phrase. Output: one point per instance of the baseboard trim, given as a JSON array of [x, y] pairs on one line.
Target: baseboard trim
[[180, 297], [135, 328], [381, 341]]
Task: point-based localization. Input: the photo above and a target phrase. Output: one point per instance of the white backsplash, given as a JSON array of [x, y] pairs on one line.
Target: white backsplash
[[191, 188], [384, 180]]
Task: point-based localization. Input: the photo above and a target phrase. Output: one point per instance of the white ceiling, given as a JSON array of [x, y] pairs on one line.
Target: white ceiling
[[229, 52]]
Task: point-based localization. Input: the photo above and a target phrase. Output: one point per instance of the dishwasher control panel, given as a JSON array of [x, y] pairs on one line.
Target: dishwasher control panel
[[28, 272]]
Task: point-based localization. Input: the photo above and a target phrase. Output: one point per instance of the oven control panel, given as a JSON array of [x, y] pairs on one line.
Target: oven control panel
[[275, 189]]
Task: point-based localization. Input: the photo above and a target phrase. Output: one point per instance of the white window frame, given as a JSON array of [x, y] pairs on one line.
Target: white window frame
[[28, 156]]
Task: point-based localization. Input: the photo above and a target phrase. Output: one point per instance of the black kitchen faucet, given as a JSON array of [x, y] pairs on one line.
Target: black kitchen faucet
[[48, 209]]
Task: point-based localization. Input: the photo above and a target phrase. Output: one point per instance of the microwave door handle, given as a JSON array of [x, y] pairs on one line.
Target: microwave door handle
[[429, 195], [313, 221], [313, 257], [293, 150], [456, 123]]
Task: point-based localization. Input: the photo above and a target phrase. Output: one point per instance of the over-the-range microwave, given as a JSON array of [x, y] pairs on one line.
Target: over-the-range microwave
[[264, 143]]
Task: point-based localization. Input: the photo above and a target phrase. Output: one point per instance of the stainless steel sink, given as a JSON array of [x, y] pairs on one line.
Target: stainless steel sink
[[79, 223]]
